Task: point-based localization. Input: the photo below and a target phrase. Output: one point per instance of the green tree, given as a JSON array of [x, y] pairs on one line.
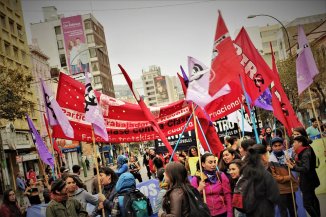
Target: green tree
[[14, 93]]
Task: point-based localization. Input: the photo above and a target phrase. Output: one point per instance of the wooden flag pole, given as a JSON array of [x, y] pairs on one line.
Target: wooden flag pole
[[315, 114], [198, 148], [290, 174], [53, 154], [96, 165]]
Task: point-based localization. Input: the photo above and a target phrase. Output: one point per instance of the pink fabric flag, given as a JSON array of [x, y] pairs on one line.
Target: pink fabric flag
[[198, 85], [93, 112], [54, 112], [306, 65]]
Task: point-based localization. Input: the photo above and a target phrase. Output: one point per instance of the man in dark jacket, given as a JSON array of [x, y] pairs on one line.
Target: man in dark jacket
[[305, 164], [146, 162]]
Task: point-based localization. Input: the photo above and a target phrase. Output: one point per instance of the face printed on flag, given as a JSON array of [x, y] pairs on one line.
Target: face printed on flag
[[305, 63], [198, 85], [93, 113], [55, 113], [43, 151]]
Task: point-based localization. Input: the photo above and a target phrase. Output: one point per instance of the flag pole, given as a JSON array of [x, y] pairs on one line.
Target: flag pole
[[315, 114], [290, 174], [96, 165], [242, 116], [251, 116], [198, 148]]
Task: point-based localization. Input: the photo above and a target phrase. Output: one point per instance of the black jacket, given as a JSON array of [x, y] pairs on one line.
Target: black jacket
[[306, 166]]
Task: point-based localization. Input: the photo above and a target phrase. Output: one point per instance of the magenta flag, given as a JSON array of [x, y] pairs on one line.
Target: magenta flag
[[54, 112], [306, 65], [43, 151], [93, 112]]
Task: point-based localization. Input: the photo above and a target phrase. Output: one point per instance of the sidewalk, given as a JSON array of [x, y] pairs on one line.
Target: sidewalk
[[90, 174]]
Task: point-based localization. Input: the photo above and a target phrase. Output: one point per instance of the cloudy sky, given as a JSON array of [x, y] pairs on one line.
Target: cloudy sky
[[164, 33]]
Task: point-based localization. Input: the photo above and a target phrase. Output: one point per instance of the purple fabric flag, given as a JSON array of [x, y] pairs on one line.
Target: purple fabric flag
[[54, 112], [306, 65], [198, 86], [185, 77], [93, 113], [43, 151], [264, 101]]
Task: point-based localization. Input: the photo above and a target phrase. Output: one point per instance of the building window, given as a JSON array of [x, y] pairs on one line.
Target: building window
[[92, 52], [88, 24], [150, 88], [15, 52], [57, 30], [20, 31], [97, 79], [94, 66], [149, 82], [90, 38], [7, 49], [63, 60], [12, 26], [60, 44], [3, 20], [23, 56]]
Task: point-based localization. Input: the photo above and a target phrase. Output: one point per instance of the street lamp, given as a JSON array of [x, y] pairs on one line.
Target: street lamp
[[266, 15]]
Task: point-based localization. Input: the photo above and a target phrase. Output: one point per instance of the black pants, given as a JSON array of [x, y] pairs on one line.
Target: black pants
[[311, 202], [286, 203], [137, 176], [149, 174]]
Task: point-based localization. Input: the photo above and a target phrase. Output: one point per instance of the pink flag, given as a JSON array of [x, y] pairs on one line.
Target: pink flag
[[306, 65], [93, 112], [197, 90], [54, 112]]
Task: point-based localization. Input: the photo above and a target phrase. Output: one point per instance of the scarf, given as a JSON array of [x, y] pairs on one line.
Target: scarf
[[280, 156], [211, 176], [299, 150], [164, 185]]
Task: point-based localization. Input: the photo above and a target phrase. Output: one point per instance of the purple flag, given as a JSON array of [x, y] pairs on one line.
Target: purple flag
[[264, 101], [185, 77], [306, 65], [43, 151], [54, 112], [93, 113]]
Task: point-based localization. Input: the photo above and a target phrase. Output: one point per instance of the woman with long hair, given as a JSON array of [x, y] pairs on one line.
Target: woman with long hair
[[265, 193], [175, 201], [10, 207], [226, 156], [192, 152], [32, 192], [216, 186]]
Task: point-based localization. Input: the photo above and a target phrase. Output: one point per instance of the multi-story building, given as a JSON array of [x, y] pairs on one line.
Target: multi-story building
[[159, 90], [17, 150], [51, 37]]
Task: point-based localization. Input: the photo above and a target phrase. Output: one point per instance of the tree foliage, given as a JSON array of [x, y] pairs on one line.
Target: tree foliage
[[14, 92]]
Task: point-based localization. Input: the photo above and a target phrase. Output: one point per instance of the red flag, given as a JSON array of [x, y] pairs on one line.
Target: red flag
[[207, 127], [256, 75], [55, 145], [282, 108], [225, 64], [147, 113]]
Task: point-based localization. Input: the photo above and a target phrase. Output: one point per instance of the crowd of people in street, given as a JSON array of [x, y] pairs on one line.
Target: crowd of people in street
[[246, 179]]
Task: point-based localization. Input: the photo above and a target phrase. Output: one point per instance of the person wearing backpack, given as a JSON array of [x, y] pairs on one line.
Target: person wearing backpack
[[129, 201], [181, 199], [216, 185], [256, 187]]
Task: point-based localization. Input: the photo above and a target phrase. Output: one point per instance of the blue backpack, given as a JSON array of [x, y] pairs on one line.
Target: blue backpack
[[135, 204]]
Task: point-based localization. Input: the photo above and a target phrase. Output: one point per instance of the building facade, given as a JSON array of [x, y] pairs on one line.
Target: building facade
[[50, 36]]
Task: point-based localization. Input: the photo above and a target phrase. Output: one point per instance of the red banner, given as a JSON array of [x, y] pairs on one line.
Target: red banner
[[126, 121]]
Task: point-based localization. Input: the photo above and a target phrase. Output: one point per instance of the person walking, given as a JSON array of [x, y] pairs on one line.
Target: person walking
[[146, 162], [134, 168]]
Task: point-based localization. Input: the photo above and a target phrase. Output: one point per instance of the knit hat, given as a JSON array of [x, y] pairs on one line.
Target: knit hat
[[277, 139], [58, 185]]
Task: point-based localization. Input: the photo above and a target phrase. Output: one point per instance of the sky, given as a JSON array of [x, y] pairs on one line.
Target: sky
[[143, 33]]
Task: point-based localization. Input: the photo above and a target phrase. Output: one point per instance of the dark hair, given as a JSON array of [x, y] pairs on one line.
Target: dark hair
[[313, 120], [301, 130], [70, 176], [221, 164], [5, 198], [158, 163], [203, 159], [233, 139], [160, 174], [304, 140], [278, 133], [238, 162], [109, 172], [177, 174], [245, 144], [189, 151], [75, 168], [94, 171], [252, 165]]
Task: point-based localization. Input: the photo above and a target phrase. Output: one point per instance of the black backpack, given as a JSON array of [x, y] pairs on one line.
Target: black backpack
[[196, 204], [135, 204], [244, 198]]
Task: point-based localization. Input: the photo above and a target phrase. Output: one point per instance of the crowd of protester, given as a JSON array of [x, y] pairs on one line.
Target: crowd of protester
[[246, 179]]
